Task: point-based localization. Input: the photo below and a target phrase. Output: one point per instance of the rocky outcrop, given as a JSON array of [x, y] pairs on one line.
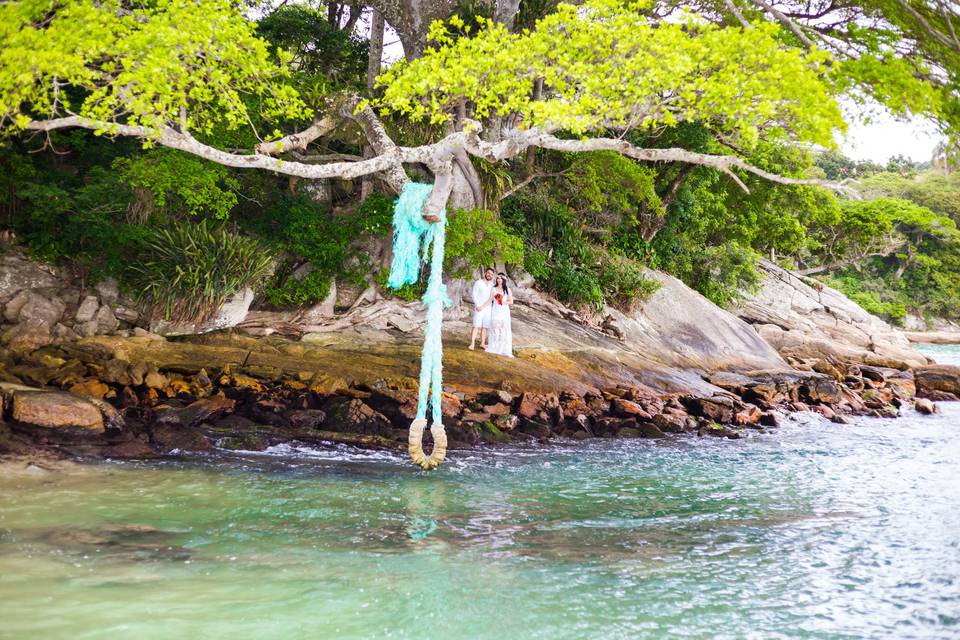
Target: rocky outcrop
[[806, 320]]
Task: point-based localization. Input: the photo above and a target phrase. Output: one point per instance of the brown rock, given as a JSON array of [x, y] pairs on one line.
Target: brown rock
[[307, 418], [205, 409], [528, 407], [769, 419], [91, 388], [937, 377], [748, 416], [55, 409], [824, 367], [925, 406], [716, 408], [497, 409], [670, 422], [355, 416], [628, 408], [450, 406]]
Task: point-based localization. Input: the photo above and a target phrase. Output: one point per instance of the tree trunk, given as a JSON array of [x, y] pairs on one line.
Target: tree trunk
[[376, 47], [373, 70]]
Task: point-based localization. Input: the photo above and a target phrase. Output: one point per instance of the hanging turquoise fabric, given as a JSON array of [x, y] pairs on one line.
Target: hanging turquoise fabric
[[412, 238]]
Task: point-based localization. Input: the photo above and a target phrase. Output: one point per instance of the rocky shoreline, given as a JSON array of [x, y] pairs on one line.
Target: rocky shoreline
[[82, 376], [146, 396]]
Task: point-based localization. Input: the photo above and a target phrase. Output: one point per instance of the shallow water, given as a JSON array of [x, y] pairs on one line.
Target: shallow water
[[813, 531]]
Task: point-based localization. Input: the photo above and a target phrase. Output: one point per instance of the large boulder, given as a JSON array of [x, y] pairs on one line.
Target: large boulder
[[943, 378], [54, 409], [805, 319], [18, 274], [231, 313], [38, 309]]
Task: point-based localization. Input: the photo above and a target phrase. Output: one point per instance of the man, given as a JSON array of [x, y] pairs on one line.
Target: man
[[481, 310]]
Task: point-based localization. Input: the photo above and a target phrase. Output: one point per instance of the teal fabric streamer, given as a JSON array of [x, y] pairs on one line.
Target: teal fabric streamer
[[412, 239]]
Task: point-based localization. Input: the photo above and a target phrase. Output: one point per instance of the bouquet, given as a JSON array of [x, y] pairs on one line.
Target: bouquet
[[499, 298]]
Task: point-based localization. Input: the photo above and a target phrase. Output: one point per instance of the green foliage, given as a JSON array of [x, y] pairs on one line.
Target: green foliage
[[172, 183], [296, 292], [406, 292], [892, 256], [872, 294], [303, 229], [608, 62], [316, 48], [477, 238], [175, 63], [187, 270], [564, 262]]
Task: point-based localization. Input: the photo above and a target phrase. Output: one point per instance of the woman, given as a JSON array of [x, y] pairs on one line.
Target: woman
[[500, 340]]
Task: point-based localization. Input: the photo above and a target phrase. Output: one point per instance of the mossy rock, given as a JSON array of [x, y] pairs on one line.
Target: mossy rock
[[490, 434]]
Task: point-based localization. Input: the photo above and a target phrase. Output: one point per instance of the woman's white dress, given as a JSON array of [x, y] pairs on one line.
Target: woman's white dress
[[500, 338]]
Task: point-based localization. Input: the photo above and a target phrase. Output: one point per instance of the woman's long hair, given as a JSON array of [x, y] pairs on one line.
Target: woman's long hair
[[506, 289]]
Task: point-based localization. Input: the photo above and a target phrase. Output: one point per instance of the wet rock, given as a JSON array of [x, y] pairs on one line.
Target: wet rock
[[769, 419], [649, 430], [670, 422], [748, 416], [824, 411], [306, 418], [925, 406], [938, 377], [822, 389], [629, 409], [716, 408], [171, 437], [206, 409], [354, 416], [501, 397], [539, 430], [58, 410], [717, 430]]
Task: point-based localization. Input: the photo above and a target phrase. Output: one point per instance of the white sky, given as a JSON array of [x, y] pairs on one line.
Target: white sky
[[885, 136]]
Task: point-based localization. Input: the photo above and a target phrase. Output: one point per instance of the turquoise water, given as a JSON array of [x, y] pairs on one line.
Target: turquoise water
[[814, 531]]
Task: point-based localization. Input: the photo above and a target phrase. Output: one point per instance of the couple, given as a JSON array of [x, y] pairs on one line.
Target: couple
[[491, 314]]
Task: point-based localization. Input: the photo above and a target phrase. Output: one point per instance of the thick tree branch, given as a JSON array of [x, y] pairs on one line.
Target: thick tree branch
[[439, 156], [299, 140]]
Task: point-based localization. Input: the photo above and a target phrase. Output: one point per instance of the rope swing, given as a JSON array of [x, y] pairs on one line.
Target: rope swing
[[412, 236]]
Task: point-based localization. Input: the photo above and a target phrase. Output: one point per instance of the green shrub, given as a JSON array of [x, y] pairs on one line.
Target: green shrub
[[477, 238], [188, 270], [298, 292]]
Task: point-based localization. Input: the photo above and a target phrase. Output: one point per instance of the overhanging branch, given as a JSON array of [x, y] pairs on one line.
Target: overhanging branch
[[439, 156]]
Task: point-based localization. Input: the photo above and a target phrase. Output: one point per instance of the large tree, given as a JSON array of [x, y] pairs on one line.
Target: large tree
[[175, 72]]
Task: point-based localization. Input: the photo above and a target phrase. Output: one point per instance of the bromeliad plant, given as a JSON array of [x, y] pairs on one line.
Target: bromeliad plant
[[190, 269]]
